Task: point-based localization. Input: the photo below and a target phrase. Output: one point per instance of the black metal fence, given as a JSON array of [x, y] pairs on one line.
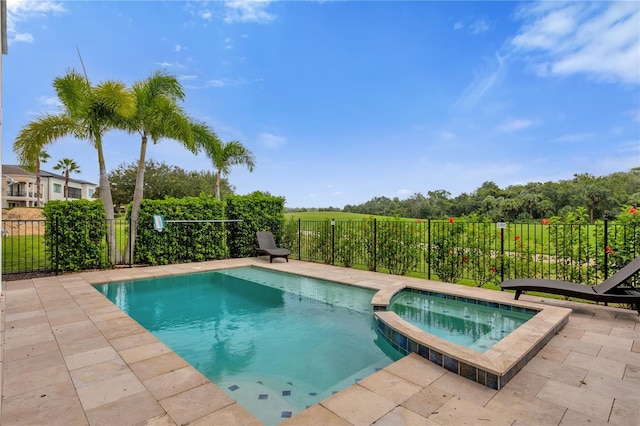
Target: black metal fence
[[478, 252]]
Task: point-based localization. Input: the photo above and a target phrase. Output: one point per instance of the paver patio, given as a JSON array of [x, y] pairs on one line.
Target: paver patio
[[69, 356]]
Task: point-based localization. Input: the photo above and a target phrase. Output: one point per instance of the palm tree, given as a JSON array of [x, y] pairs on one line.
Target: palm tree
[[67, 165], [42, 158], [157, 116], [88, 113], [222, 155]]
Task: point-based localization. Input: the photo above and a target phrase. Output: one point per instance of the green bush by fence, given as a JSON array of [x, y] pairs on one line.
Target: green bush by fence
[[181, 241], [257, 212], [75, 234]]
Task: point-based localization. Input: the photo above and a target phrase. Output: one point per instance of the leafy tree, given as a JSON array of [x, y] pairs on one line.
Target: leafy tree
[[157, 116], [595, 198], [162, 181], [67, 165], [88, 113], [600, 196]]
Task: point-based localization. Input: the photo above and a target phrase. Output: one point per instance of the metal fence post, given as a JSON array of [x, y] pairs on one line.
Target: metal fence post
[[130, 241], [429, 249], [333, 241], [375, 244], [606, 244], [502, 255], [56, 236], [299, 239]]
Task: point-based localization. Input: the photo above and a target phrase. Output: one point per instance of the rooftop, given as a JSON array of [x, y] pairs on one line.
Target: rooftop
[[70, 356]]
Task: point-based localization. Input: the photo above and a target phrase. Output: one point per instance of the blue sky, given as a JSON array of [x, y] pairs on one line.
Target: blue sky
[[343, 101]]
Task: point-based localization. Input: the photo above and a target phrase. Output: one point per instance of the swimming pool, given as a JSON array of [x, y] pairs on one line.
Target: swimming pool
[[275, 342], [495, 365], [465, 322]]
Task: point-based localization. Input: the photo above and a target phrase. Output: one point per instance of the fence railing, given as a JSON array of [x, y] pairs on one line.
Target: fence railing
[[478, 252], [481, 253]]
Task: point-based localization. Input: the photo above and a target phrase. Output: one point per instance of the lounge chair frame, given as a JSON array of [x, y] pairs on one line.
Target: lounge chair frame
[[267, 246], [610, 290]]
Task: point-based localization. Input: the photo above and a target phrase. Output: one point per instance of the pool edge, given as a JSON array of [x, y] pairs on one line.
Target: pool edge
[[493, 368]]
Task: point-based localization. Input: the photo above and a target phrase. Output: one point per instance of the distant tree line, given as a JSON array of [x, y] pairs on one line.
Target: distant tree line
[[162, 181], [599, 196]]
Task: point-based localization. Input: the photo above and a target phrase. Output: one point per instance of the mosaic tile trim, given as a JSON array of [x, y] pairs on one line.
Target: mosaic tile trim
[[406, 345], [502, 306]]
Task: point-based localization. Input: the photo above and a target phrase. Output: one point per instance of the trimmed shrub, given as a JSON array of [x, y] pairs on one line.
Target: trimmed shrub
[[182, 241], [74, 235], [257, 212]]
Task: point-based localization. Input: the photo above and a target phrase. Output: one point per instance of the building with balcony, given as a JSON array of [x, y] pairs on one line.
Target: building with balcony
[[19, 188]]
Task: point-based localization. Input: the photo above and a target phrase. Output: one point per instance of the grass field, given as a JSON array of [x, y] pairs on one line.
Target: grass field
[[23, 253], [517, 236], [333, 215]]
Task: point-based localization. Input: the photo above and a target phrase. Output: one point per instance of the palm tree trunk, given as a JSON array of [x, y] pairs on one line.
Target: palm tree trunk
[[138, 193], [38, 182], [218, 186], [107, 200], [66, 185]]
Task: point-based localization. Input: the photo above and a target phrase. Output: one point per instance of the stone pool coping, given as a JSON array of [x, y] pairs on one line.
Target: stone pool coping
[[493, 368], [69, 355]]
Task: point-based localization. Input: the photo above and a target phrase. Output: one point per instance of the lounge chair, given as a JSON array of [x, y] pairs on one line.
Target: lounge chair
[[267, 245], [609, 291]]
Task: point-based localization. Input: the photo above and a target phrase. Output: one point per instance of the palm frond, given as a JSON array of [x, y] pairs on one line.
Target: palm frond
[[73, 92], [41, 132]]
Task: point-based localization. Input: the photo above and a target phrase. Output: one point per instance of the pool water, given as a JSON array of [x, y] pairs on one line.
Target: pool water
[[275, 342], [470, 325]]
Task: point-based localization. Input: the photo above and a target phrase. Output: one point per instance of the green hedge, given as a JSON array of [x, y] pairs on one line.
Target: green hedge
[[75, 234], [181, 241], [258, 212]]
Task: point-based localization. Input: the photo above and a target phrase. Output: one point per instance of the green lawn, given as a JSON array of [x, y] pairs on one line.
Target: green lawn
[[332, 215], [23, 253]]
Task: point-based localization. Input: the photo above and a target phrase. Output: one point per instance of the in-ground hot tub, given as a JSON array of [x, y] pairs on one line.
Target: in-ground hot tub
[[489, 354]]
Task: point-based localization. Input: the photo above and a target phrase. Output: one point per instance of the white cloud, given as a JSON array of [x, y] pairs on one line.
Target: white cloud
[[271, 141], [221, 82], [206, 14], [514, 125], [21, 11], [574, 137], [446, 135], [179, 48], [597, 39], [634, 114], [248, 11], [170, 65], [48, 105], [21, 38], [215, 83], [187, 77], [483, 81], [403, 193], [479, 26], [49, 101]]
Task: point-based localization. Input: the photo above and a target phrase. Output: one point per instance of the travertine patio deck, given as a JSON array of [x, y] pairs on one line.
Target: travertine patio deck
[[69, 356]]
